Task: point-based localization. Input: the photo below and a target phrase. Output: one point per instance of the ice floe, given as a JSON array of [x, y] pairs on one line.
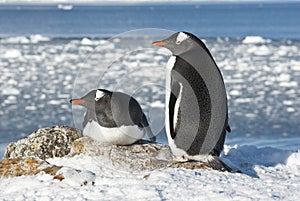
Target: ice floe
[[255, 40]]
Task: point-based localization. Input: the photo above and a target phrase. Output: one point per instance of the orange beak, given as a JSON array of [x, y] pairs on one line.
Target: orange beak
[[77, 101], [159, 43]]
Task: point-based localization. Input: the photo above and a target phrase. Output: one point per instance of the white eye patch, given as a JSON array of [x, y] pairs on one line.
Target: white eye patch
[[99, 94], [181, 37]]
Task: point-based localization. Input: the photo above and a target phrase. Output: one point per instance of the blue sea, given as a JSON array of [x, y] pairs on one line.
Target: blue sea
[[271, 20], [48, 55]]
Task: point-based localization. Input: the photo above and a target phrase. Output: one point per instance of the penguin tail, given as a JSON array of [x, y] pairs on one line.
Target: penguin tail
[[216, 164], [147, 129], [150, 134]]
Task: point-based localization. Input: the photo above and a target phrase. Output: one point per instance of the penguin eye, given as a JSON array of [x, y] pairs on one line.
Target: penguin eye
[[96, 99], [178, 42]]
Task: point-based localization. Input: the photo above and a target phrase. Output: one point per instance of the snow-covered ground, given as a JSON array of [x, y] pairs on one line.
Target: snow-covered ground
[[270, 174], [39, 75]]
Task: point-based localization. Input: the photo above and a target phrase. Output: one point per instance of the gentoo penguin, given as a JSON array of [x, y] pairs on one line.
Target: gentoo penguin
[[113, 117], [196, 116]]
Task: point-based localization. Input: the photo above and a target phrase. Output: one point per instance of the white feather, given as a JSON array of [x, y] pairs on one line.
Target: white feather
[[123, 135], [99, 94], [176, 151], [176, 107], [181, 37]]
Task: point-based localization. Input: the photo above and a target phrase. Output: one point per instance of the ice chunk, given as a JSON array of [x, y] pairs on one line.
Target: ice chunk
[[54, 102], [263, 51], [12, 54], [30, 107], [290, 109], [10, 91], [86, 41], [288, 84], [38, 38], [288, 102], [235, 93], [255, 39], [15, 40], [294, 159]]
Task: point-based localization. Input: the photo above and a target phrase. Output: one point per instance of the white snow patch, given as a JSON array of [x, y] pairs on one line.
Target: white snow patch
[[77, 178], [269, 174]]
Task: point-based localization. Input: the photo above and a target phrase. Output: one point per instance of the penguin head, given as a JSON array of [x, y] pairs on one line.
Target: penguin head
[[178, 43], [91, 99]]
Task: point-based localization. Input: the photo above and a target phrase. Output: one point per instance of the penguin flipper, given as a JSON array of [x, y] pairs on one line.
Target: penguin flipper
[[216, 164]]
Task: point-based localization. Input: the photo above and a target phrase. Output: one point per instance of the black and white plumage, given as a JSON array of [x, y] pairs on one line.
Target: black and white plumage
[[113, 117], [196, 102]]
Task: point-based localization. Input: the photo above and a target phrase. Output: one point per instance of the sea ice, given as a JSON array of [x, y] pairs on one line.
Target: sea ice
[[86, 41], [10, 91], [13, 53], [38, 38], [255, 39], [16, 40]]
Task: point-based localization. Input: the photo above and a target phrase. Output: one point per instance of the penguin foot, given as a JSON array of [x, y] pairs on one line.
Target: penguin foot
[[181, 159], [216, 164]]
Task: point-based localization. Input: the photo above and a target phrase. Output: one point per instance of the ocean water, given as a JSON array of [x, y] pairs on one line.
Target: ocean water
[[48, 56], [271, 20]]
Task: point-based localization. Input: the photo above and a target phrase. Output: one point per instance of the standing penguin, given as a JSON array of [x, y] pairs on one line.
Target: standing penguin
[[196, 103], [113, 117]]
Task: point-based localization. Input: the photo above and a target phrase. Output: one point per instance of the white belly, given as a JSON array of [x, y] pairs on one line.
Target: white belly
[[175, 150], [123, 135]]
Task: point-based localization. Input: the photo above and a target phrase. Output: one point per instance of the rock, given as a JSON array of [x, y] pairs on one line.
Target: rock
[[143, 155], [44, 143], [31, 166], [27, 156], [25, 166]]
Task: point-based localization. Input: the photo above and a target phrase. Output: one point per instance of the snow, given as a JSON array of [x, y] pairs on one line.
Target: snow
[[269, 174]]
